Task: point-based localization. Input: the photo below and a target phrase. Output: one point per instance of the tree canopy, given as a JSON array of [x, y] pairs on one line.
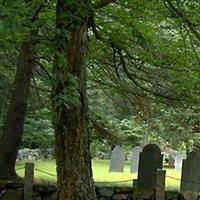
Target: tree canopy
[[124, 72]]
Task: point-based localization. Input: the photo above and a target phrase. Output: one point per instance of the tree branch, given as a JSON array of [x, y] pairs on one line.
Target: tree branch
[[43, 69], [132, 77], [181, 15], [103, 3], [104, 133], [39, 9]]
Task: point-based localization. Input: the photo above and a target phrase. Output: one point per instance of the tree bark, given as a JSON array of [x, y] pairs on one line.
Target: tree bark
[[14, 125], [69, 103]]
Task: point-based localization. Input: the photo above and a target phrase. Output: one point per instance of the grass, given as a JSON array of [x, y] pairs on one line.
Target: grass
[[101, 174]]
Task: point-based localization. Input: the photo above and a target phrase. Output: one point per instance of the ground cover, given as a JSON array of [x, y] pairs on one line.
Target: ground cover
[[45, 172]]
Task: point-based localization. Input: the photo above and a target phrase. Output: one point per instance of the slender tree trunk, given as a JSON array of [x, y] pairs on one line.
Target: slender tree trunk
[[69, 105], [14, 125], [3, 106]]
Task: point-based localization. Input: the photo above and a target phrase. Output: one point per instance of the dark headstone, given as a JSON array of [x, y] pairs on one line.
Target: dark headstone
[[13, 195], [150, 160], [160, 184], [190, 195], [28, 181], [190, 180], [105, 191], [45, 188]]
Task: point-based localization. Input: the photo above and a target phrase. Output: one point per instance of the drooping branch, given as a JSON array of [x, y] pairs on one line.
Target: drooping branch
[[132, 77], [43, 70], [104, 133], [39, 9], [93, 26], [136, 79], [41, 89], [36, 88], [103, 3], [178, 13]]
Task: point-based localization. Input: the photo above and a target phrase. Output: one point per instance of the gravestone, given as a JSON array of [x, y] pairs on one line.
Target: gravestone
[[189, 195], [160, 184], [117, 160], [135, 181], [150, 160], [190, 178], [20, 155], [28, 181], [178, 161], [135, 154], [171, 161]]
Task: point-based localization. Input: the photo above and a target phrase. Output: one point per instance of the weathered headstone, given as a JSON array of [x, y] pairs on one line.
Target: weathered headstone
[[135, 154], [135, 181], [20, 155], [190, 179], [178, 161], [12, 194], [117, 160], [189, 195], [150, 160], [28, 181], [171, 161], [160, 184]]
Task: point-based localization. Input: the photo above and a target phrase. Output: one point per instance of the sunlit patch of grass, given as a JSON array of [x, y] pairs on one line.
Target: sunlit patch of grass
[[48, 166], [101, 174], [173, 179]]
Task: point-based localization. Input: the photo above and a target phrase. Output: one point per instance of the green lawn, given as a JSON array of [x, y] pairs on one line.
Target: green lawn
[[101, 173]]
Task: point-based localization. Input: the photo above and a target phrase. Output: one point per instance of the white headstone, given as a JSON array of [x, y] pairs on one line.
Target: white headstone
[[117, 160], [179, 161], [135, 154], [190, 179]]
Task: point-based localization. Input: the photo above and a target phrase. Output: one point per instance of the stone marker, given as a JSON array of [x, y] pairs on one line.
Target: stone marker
[[117, 160], [189, 195], [28, 181], [142, 193], [135, 181], [178, 161], [171, 161], [12, 194], [150, 160], [160, 184], [190, 178], [135, 154]]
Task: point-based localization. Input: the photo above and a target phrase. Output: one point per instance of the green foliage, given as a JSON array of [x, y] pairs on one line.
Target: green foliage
[[130, 131], [160, 94], [178, 126], [38, 130]]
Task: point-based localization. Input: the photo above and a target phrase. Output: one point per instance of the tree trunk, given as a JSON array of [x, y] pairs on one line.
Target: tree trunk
[[69, 105], [14, 125]]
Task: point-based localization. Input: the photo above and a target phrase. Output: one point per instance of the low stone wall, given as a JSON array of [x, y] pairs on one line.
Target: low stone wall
[[48, 153], [101, 155], [49, 192], [35, 154]]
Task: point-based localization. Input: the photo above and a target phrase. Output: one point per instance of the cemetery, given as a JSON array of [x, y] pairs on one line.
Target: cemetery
[[148, 178], [99, 100]]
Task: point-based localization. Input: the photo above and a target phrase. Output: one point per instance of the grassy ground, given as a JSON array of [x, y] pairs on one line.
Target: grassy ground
[[101, 173]]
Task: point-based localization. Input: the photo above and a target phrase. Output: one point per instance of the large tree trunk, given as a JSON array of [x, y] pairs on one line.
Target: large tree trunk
[[69, 105], [13, 128]]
